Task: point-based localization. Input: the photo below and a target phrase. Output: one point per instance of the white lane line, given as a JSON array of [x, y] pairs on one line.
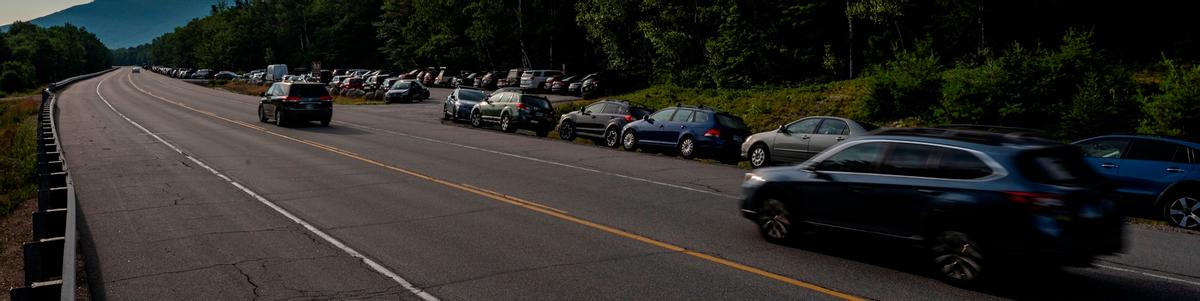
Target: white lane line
[[1169, 278], [364, 127], [336, 243]]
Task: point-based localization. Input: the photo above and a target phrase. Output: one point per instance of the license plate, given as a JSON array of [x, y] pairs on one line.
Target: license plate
[[310, 107], [534, 121]]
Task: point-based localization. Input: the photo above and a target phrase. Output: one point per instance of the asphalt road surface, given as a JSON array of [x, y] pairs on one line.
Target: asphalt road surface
[[185, 195]]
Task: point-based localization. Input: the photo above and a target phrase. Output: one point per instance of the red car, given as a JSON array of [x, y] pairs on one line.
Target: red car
[[351, 83]]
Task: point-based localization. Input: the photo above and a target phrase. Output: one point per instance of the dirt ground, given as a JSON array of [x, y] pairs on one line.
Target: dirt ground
[[15, 229]]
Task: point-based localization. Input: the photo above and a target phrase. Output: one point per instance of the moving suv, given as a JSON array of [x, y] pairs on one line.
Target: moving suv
[[514, 110], [1150, 172], [296, 102], [602, 120], [691, 131], [978, 201]]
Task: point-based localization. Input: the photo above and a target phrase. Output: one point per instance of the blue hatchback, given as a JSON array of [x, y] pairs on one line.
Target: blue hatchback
[[691, 131], [1158, 173]]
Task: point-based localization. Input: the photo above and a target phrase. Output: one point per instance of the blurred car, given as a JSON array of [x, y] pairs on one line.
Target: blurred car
[[296, 102], [602, 120], [459, 103], [1151, 172], [691, 131], [512, 79], [976, 201], [514, 110], [800, 140], [575, 87], [225, 75], [137, 70], [560, 86], [610, 82], [466, 80], [536, 79], [406, 90], [351, 83], [488, 80], [445, 78]]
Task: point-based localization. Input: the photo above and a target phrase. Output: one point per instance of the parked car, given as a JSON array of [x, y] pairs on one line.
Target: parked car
[[459, 103], [691, 131], [514, 110], [602, 121], [296, 102], [535, 79], [406, 90], [977, 201], [225, 75], [513, 79], [445, 78], [560, 86], [467, 80], [800, 140], [351, 83], [576, 87], [610, 82], [276, 72], [489, 80], [429, 77], [1151, 173]]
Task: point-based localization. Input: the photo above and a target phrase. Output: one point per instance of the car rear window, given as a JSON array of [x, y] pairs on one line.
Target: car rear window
[[308, 91], [1058, 166], [639, 112], [732, 122], [535, 101], [471, 95]]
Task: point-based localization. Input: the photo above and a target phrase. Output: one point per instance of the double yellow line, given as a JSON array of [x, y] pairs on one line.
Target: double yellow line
[[543, 209]]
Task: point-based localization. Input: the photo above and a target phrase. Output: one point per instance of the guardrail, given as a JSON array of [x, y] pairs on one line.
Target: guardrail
[[50, 257]]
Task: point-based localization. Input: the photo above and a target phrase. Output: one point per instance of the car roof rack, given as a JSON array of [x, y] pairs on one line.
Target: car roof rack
[[1181, 138], [966, 135]]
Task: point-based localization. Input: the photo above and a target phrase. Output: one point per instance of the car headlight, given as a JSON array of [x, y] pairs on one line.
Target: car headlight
[[753, 180]]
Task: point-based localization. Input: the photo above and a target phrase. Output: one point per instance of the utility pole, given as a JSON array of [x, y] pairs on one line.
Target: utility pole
[[850, 39]]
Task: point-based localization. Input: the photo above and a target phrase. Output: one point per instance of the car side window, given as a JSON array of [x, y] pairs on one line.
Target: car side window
[[832, 127], [276, 90], [700, 117], [682, 116], [1152, 150], [663, 115], [496, 98], [908, 159], [1111, 148], [595, 108], [960, 164], [857, 158], [612, 108], [804, 126]]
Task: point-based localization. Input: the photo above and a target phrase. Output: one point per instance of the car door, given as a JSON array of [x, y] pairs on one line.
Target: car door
[[488, 109], [895, 199], [1151, 166], [588, 121], [1105, 155], [792, 143], [270, 101], [651, 132], [672, 131], [830, 132], [834, 192]]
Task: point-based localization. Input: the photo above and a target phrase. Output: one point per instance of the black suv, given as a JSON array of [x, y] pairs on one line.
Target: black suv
[[289, 102], [602, 120], [978, 201], [513, 110]]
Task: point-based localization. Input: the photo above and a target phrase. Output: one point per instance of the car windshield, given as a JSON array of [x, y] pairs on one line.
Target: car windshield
[[402, 85], [471, 95]]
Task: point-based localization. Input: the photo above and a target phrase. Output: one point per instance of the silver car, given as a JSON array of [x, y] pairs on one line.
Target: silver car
[[800, 140]]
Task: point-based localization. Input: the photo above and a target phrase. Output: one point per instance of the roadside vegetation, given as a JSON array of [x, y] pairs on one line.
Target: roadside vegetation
[[32, 56], [18, 133]]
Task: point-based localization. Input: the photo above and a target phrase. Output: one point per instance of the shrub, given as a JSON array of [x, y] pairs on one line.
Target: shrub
[[17, 76], [1176, 109], [904, 87]]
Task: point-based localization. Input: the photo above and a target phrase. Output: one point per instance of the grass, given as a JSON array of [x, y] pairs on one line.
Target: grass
[[18, 133]]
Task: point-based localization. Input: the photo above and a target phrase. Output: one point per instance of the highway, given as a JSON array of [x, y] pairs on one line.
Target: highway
[[185, 195]]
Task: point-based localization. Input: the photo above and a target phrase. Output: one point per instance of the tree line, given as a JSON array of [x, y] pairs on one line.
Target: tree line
[[31, 55]]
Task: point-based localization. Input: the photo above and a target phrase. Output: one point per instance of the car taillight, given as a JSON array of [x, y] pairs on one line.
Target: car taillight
[[291, 99], [326, 98], [628, 118], [713, 133], [522, 106], [1036, 201]]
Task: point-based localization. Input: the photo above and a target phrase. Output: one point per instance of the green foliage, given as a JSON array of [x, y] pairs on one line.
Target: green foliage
[[1176, 109], [906, 86], [18, 124], [16, 76], [32, 55]]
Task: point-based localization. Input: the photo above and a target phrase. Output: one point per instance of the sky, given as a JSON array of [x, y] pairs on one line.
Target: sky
[[25, 10]]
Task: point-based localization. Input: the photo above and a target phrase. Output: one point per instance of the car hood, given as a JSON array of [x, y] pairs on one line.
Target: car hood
[[397, 91], [763, 136], [467, 102], [783, 173]]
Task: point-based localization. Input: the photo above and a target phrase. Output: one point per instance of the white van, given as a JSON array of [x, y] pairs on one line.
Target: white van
[[276, 72], [533, 79]]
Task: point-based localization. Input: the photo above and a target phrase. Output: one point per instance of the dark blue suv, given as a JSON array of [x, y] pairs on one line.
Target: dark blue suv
[[691, 131], [978, 201], [1151, 172]]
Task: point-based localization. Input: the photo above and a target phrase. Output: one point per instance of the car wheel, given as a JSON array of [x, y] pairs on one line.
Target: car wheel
[[262, 115], [611, 138], [506, 124], [476, 119], [958, 258], [446, 115], [566, 131], [759, 156], [775, 222], [1183, 210], [629, 141], [687, 148]]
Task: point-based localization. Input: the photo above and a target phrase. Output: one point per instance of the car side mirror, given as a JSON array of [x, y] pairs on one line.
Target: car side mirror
[[264, 94], [783, 129], [812, 168]]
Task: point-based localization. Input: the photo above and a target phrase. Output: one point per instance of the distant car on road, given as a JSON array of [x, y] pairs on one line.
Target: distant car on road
[[514, 110], [225, 75], [408, 90], [602, 120], [800, 140], [137, 70], [296, 102], [977, 201], [1151, 172], [691, 131], [459, 103]]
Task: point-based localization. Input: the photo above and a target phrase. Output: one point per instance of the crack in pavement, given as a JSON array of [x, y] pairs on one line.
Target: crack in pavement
[[537, 268]]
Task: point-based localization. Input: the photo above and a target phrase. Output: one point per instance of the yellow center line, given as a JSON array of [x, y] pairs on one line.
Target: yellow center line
[[547, 210]]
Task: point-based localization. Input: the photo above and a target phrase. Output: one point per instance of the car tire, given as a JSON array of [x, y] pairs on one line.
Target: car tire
[[280, 120], [759, 156], [262, 114], [776, 223], [1181, 210], [476, 119], [446, 115], [958, 258], [629, 140], [611, 138], [687, 148], [506, 124], [566, 131]]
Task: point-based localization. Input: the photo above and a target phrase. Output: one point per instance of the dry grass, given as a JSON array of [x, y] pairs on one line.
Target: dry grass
[[18, 147]]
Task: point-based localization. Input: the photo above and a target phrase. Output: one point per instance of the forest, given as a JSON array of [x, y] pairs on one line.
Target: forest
[[31, 56]]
